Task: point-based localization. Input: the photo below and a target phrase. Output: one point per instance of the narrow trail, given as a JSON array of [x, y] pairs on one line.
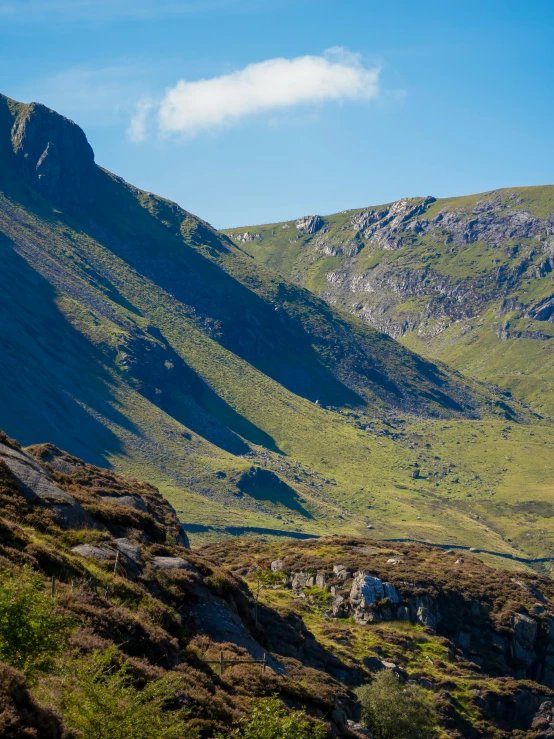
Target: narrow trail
[[474, 550]]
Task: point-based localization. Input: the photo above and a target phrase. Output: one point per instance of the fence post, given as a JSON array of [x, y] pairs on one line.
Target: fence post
[[220, 664], [116, 563], [53, 590], [107, 592], [72, 584], [264, 662]]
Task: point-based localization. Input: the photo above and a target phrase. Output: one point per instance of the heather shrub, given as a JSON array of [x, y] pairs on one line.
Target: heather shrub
[[394, 710]]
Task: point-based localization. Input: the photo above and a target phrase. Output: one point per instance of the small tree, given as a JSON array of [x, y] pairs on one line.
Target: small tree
[[264, 577], [99, 700], [32, 632], [393, 710], [269, 719]]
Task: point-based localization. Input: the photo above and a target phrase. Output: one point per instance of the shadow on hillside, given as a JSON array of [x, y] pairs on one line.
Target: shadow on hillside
[[265, 485], [255, 329], [168, 382], [198, 528], [53, 386]]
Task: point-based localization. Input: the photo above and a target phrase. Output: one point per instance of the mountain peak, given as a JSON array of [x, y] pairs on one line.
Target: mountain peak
[[53, 155]]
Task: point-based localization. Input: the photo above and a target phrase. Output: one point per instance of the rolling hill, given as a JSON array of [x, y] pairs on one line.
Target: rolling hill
[[136, 336]]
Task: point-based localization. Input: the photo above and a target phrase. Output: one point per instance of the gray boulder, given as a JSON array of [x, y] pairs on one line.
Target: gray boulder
[[129, 550], [100, 553], [172, 563], [302, 580]]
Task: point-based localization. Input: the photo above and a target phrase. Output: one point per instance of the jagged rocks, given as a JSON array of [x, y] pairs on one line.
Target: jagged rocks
[[277, 565], [383, 227], [247, 237], [341, 573], [366, 592], [309, 224], [339, 607], [426, 617]]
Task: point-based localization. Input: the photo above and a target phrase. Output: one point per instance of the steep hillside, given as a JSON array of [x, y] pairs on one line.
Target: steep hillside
[[141, 623], [467, 280], [136, 336]]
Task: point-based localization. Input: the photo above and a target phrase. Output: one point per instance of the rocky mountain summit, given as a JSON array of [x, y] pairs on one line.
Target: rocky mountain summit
[[439, 274]]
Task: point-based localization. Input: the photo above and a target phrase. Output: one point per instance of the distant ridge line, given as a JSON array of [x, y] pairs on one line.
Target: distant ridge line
[[474, 550]]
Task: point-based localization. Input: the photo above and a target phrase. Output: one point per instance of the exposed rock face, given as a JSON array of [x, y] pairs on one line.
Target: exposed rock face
[[36, 484], [525, 650], [366, 592], [383, 228], [247, 237], [414, 290], [130, 550], [54, 156], [172, 563], [302, 580], [91, 552], [309, 224], [525, 636]]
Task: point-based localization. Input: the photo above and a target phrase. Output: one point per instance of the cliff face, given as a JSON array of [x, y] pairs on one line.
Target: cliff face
[[53, 155], [438, 274]]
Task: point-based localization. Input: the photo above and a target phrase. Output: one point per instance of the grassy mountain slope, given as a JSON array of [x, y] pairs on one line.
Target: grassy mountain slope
[[139, 621], [136, 336], [467, 280]]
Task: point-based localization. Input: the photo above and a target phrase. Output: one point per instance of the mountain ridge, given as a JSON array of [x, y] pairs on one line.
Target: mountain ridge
[[424, 269]]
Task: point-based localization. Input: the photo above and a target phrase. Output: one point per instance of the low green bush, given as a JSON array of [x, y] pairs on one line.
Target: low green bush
[[32, 631], [394, 710], [100, 700], [269, 719]]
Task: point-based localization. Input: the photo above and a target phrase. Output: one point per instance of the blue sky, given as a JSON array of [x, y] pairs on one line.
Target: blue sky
[[440, 98]]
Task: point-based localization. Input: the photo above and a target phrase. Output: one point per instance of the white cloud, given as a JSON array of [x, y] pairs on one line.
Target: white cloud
[[191, 107]]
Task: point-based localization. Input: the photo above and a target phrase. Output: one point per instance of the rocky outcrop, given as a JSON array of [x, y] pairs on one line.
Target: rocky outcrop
[[172, 563], [54, 156], [36, 484], [524, 648], [101, 553], [309, 224], [384, 228], [414, 290], [247, 237], [366, 592]]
